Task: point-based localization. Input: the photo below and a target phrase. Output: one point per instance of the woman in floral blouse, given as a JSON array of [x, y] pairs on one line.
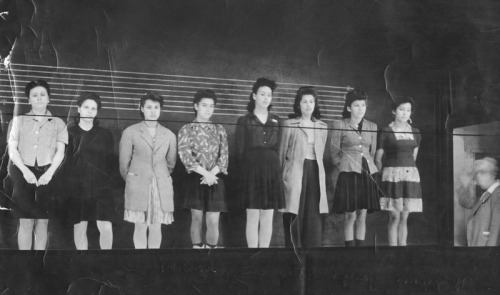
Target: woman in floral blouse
[[203, 150]]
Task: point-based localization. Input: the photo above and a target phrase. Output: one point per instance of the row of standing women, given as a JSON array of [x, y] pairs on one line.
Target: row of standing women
[[280, 168]]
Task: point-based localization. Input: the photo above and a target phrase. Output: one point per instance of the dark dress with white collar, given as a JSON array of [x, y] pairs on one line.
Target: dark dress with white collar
[[257, 144]]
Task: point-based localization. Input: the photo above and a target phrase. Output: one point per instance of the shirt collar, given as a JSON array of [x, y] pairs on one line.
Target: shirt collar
[[492, 188], [31, 116], [204, 125], [271, 117]]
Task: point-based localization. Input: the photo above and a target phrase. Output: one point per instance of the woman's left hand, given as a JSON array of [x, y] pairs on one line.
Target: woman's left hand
[[45, 178]]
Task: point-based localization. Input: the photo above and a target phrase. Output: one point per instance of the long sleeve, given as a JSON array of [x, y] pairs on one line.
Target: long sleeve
[[223, 159], [495, 219], [126, 148], [335, 142], [284, 141], [172, 154], [110, 148], [240, 137], [185, 151], [373, 145]]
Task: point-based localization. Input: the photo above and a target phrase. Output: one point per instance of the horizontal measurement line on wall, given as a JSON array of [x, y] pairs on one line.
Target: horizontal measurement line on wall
[[160, 75]]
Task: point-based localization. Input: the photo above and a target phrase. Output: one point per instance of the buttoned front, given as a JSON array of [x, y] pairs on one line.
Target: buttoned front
[[348, 146], [38, 138], [251, 133], [141, 159], [293, 145]]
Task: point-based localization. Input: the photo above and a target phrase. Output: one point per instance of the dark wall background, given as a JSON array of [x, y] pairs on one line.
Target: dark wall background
[[445, 54], [363, 44]]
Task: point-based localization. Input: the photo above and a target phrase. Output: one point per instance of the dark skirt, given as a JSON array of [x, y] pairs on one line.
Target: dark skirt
[[306, 228], [355, 191], [260, 180], [203, 197], [30, 201], [86, 205]]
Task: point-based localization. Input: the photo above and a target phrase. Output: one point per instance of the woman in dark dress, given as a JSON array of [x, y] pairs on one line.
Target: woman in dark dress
[[88, 168], [398, 144], [257, 143], [353, 145]]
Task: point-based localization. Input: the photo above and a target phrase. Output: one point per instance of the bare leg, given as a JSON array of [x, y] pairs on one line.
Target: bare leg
[[25, 233], [41, 226], [360, 224], [349, 218], [105, 234], [403, 228], [154, 238], [252, 228], [140, 236], [392, 228], [80, 235], [196, 220], [266, 228], [212, 236]]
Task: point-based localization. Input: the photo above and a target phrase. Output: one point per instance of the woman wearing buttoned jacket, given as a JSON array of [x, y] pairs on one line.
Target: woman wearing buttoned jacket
[[148, 152], [301, 150], [353, 146]]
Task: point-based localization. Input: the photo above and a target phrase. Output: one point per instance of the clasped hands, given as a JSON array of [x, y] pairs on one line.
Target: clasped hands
[[209, 177], [43, 180]]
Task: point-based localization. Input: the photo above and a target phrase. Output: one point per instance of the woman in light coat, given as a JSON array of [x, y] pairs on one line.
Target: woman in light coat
[[301, 151], [148, 152]]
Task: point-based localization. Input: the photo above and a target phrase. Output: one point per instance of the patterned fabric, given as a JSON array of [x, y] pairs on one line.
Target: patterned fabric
[[203, 144], [402, 204], [404, 133], [400, 177], [154, 214], [397, 174]]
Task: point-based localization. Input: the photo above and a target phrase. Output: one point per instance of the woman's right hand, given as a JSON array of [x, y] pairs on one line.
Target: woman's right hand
[[209, 179], [29, 176]]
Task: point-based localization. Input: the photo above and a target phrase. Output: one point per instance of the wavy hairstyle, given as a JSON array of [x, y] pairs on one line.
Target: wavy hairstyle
[[351, 97], [261, 82], [305, 90]]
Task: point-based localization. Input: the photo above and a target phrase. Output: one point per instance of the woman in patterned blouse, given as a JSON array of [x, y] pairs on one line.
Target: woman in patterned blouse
[[203, 149]]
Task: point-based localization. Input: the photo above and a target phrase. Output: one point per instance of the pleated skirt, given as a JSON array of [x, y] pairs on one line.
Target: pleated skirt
[[357, 191]]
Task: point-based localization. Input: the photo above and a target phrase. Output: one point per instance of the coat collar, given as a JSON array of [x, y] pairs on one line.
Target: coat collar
[[161, 135], [300, 123]]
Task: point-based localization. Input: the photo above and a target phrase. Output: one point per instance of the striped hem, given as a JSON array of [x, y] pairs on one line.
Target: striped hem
[[402, 204]]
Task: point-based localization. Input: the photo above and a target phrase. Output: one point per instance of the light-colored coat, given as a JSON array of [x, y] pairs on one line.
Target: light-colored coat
[[347, 146], [292, 152], [139, 162]]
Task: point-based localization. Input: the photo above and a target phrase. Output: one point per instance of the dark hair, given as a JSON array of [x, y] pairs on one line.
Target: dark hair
[[150, 95], [305, 90], [351, 97], [261, 82], [88, 96], [33, 84], [201, 94], [402, 100]]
